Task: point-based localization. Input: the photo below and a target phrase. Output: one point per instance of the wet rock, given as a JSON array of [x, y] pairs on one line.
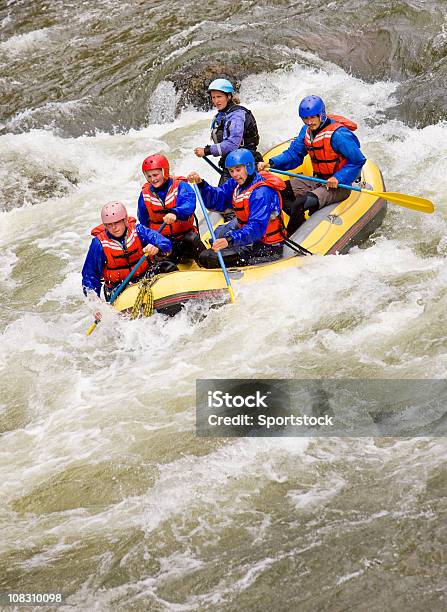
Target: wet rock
[[109, 80], [194, 77], [423, 99], [396, 40]]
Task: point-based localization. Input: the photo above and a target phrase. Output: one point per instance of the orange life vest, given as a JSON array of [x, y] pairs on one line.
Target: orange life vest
[[241, 204], [158, 209], [326, 161], [119, 260]]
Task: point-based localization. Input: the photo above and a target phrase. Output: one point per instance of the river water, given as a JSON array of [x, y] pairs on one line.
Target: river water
[[107, 495]]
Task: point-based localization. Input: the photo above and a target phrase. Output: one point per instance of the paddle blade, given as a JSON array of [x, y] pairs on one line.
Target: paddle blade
[[91, 328], [408, 201]]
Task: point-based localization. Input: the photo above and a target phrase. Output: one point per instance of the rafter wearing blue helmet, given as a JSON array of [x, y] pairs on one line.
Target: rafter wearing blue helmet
[[256, 233], [233, 127], [221, 85], [335, 154], [312, 106]]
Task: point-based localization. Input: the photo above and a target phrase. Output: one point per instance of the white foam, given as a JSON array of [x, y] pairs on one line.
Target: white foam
[[8, 261], [25, 42]]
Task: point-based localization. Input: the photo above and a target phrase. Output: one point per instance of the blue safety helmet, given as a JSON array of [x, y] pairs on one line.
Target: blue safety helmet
[[221, 85], [310, 106], [241, 157]]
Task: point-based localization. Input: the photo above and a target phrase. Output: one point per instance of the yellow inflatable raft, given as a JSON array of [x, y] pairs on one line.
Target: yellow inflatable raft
[[333, 229]]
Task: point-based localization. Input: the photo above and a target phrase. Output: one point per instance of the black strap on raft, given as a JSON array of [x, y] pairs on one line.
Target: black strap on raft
[[296, 247], [290, 243]]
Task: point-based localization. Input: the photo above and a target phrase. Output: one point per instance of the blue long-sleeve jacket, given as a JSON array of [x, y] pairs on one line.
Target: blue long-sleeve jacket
[[343, 141], [263, 202], [96, 260], [185, 205], [233, 132]]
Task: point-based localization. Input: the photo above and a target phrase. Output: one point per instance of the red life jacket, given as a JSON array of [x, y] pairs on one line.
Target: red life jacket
[[157, 210], [241, 204], [326, 161], [120, 261]]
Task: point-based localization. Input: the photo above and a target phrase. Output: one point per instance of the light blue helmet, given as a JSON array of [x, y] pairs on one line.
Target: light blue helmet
[[241, 157], [221, 85], [310, 106]]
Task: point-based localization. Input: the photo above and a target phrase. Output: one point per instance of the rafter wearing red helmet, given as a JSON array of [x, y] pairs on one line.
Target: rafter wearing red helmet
[[171, 200]]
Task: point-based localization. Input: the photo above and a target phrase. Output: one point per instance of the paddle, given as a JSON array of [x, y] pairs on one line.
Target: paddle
[[213, 235], [116, 292], [408, 201], [216, 168]]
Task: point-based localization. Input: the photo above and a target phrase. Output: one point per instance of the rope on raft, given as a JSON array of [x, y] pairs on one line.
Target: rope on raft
[[145, 297]]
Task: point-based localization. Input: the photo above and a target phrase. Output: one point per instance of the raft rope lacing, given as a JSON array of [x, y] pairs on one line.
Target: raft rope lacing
[[146, 297]]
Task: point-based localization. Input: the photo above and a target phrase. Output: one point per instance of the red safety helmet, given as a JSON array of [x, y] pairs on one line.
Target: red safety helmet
[[156, 162]]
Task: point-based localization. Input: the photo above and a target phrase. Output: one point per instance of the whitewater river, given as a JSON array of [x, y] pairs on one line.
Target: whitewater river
[[107, 494]]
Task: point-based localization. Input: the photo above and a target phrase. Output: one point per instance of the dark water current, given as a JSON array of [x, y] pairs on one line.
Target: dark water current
[[96, 65]]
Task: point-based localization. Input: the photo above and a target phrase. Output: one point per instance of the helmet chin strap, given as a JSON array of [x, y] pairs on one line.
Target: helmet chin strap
[[249, 178]]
